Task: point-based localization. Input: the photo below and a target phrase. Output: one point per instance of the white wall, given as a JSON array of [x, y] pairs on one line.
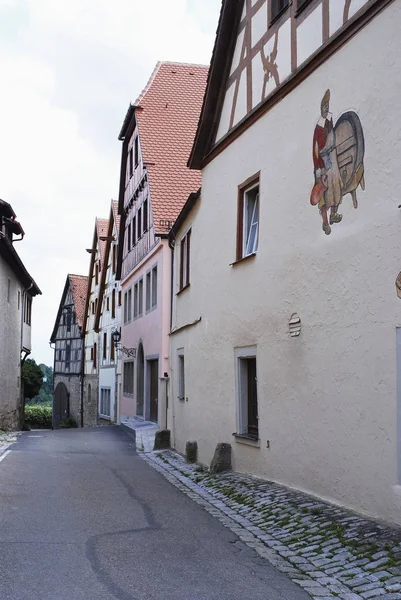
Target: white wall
[[327, 400], [10, 347]]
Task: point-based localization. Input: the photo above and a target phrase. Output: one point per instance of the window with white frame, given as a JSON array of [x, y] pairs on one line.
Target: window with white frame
[[125, 307], [246, 392], [105, 402], [140, 297], [181, 374], [136, 301], [154, 287], [148, 286], [129, 301], [185, 256], [248, 219], [128, 378]]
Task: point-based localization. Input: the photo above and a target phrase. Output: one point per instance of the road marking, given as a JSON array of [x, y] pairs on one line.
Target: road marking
[[36, 436], [2, 457]]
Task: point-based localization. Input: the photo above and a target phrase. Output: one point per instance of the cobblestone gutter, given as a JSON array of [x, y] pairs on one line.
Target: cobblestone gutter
[[328, 551], [7, 439]]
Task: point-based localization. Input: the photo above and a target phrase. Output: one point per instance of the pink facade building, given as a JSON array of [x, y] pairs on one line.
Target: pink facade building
[[157, 135]]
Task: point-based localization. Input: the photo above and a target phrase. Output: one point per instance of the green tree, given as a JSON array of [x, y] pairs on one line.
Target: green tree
[[32, 378]]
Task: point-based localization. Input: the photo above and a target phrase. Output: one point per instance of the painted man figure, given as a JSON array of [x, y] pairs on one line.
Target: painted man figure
[[327, 191]]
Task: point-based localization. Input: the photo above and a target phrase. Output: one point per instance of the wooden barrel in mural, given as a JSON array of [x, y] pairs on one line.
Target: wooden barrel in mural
[[350, 145]]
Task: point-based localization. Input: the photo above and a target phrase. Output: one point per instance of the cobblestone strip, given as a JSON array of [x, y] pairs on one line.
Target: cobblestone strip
[[7, 439], [329, 552]]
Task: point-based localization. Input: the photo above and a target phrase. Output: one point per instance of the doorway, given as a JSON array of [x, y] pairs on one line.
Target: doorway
[[153, 370], [60, 404], [140, 381]]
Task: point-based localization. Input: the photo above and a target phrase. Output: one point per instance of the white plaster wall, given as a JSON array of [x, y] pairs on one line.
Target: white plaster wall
[[241, 107], [327, 400], [259, 24], [10, 346], [226, 112], [309, 35]]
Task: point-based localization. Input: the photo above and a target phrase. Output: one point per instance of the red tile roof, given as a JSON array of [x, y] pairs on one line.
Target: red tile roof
[[168, 116], [79, 286], [116, 216], [102, 226]]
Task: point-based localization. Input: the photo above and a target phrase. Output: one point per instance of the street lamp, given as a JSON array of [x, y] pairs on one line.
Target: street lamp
[[116, 337]]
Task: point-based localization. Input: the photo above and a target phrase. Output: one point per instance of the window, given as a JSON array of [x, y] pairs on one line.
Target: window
[[248, 220], [128, 378], [105, 398], [108, 303], [8, 289], [136, 301], [97, 274], [27, 309], [104, 345], [59, 355], [94, 355], [139, 220], [67, 356], [148, 287], [278, 6], [134, 231], [154, 287], [181, 375], [112, 349], [247, 397], [125, 307], [113, 304], [93, 308], [136, 146], [96, 304], [140, 298], [68, 319], [114, 258], [185, 255], [129, 313], [119, 298], [145, 216], [129, 237], [301, 4], [131, 163], [19, 299], [76, 355]]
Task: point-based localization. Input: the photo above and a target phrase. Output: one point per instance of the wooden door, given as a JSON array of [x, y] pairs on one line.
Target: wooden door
[[153, 388], [60, 404]]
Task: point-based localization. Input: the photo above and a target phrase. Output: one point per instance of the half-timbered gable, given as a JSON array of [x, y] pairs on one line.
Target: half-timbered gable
[[263, 50], [68, 350]]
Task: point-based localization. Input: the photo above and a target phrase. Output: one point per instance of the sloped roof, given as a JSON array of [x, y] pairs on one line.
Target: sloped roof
[[116, 216], [79, 286], [102, 226], [226, 36], [167, 112]]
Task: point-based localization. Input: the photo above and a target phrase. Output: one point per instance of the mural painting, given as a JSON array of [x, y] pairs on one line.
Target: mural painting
[[338, 153]]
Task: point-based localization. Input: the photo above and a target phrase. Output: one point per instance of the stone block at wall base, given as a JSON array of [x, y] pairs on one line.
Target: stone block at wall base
[[191, 452], [162, 440], [221, 460]]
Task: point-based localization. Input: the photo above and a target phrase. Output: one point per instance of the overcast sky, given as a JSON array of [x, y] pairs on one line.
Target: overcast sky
[[68, 72]]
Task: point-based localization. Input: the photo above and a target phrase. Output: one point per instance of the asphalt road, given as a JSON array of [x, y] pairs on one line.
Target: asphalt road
[[83, 517]]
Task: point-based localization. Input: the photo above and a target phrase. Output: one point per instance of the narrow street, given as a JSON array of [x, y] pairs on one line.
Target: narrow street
[[82, 516]]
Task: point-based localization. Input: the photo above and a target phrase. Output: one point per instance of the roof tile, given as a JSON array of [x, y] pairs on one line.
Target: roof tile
[[79, 285]]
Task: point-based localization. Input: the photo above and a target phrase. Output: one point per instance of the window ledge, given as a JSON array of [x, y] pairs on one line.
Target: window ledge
[[242, 438], [240, 260], [183, 289]]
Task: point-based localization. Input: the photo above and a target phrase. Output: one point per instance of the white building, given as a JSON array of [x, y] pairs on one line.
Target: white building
[[107, 321], [92, 337], [286, 338], [17, 288]]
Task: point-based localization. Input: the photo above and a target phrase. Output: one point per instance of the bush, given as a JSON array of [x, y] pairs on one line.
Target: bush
[[37, 415]]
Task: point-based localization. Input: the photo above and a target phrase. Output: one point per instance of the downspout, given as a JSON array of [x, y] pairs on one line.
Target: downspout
[[171, 243]]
